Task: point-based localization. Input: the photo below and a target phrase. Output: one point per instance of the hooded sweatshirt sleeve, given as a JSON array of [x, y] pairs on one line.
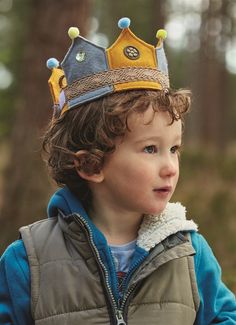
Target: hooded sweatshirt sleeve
[[15, 286], [217, 302]]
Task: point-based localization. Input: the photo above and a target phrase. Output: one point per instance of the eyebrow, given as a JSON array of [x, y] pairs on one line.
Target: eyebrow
[[156, 138]]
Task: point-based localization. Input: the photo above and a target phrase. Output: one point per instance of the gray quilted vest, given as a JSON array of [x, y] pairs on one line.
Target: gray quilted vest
[[68, 285]]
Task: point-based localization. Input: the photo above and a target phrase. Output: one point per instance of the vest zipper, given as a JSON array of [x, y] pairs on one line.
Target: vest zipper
[[118, 313], [119, 318], [128, 294]]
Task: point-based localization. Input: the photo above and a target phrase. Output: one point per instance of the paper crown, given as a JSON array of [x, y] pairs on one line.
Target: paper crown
[[89, 71]]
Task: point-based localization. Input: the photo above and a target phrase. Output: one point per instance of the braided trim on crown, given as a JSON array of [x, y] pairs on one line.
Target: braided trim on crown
[[113, 77]]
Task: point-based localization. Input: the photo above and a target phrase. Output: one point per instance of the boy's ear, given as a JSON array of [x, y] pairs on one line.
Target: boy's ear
[[88, 166]]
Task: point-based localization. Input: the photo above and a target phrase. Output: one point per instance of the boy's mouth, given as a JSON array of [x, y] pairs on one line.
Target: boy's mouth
[[164, 189]]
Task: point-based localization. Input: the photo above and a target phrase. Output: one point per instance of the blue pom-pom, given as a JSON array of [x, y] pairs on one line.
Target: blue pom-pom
[[124, 23], [52, 63]]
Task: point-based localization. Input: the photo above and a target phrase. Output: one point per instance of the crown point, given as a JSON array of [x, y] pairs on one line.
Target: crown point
[[73, 32], [161, 34], [52, 63], [124, 23]]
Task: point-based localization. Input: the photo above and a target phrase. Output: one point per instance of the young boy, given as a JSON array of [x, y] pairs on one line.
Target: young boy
[[113, 250]]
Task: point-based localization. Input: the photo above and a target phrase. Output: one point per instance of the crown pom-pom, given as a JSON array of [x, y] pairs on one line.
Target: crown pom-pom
[[73, 32], [161, 34], [124, 23], [52, 63]]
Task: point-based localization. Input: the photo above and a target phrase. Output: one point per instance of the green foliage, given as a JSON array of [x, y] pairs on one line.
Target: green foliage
[[140, 12], [13, 37]]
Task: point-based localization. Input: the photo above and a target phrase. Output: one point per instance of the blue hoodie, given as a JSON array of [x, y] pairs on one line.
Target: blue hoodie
[[217, 302]]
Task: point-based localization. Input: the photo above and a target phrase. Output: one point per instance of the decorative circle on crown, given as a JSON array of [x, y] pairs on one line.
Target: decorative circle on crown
[[80, 56], [131, 52]]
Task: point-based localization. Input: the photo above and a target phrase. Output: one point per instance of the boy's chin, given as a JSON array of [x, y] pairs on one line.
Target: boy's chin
[[157, 210]]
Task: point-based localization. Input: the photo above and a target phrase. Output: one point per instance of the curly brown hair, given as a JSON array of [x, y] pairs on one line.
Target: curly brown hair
[[94, 127]]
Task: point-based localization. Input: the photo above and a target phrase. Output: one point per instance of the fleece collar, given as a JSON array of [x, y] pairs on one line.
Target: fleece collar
[[156, 228]]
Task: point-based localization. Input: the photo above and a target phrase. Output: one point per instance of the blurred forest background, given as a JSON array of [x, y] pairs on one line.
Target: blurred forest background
[[201, 49]]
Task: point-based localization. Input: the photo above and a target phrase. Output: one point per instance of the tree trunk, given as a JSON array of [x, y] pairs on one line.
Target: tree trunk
[[26, 185], [213, 82]]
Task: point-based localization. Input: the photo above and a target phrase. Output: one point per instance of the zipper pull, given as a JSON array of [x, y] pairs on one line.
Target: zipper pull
[[119, 318]]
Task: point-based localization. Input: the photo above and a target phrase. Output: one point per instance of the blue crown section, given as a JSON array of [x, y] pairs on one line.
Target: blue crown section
[[160, 52], [84, 59], [62, 99], [161, 59]]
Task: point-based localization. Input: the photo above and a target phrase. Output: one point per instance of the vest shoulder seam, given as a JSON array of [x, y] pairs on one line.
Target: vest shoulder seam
[[71, 312], [162, 303], [61, 260]]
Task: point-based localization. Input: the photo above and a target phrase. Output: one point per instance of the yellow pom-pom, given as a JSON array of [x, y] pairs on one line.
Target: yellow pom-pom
[[161, 34], [73, 32]]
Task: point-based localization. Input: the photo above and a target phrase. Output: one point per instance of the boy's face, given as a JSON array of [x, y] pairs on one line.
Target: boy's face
[[142, 173]]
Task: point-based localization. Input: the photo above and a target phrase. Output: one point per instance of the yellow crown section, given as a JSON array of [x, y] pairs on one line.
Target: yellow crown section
[[137, 85], [130, 51], [56, 83], [117, 56]]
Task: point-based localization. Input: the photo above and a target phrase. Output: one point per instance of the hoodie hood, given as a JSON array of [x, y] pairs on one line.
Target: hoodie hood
[[65, 201]]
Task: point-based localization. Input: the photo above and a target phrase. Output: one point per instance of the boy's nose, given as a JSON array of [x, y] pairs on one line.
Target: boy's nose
[[169, 168]]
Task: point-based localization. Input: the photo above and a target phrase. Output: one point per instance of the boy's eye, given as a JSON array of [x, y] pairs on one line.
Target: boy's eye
[[175, 149], [150, 149]]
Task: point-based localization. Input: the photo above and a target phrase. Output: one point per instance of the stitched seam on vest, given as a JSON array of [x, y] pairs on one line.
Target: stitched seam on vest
[[162, 303], [71, 312], [60, 260], [65, 260], [193, 280], [34, 266], [35, 270], [194, 289]]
